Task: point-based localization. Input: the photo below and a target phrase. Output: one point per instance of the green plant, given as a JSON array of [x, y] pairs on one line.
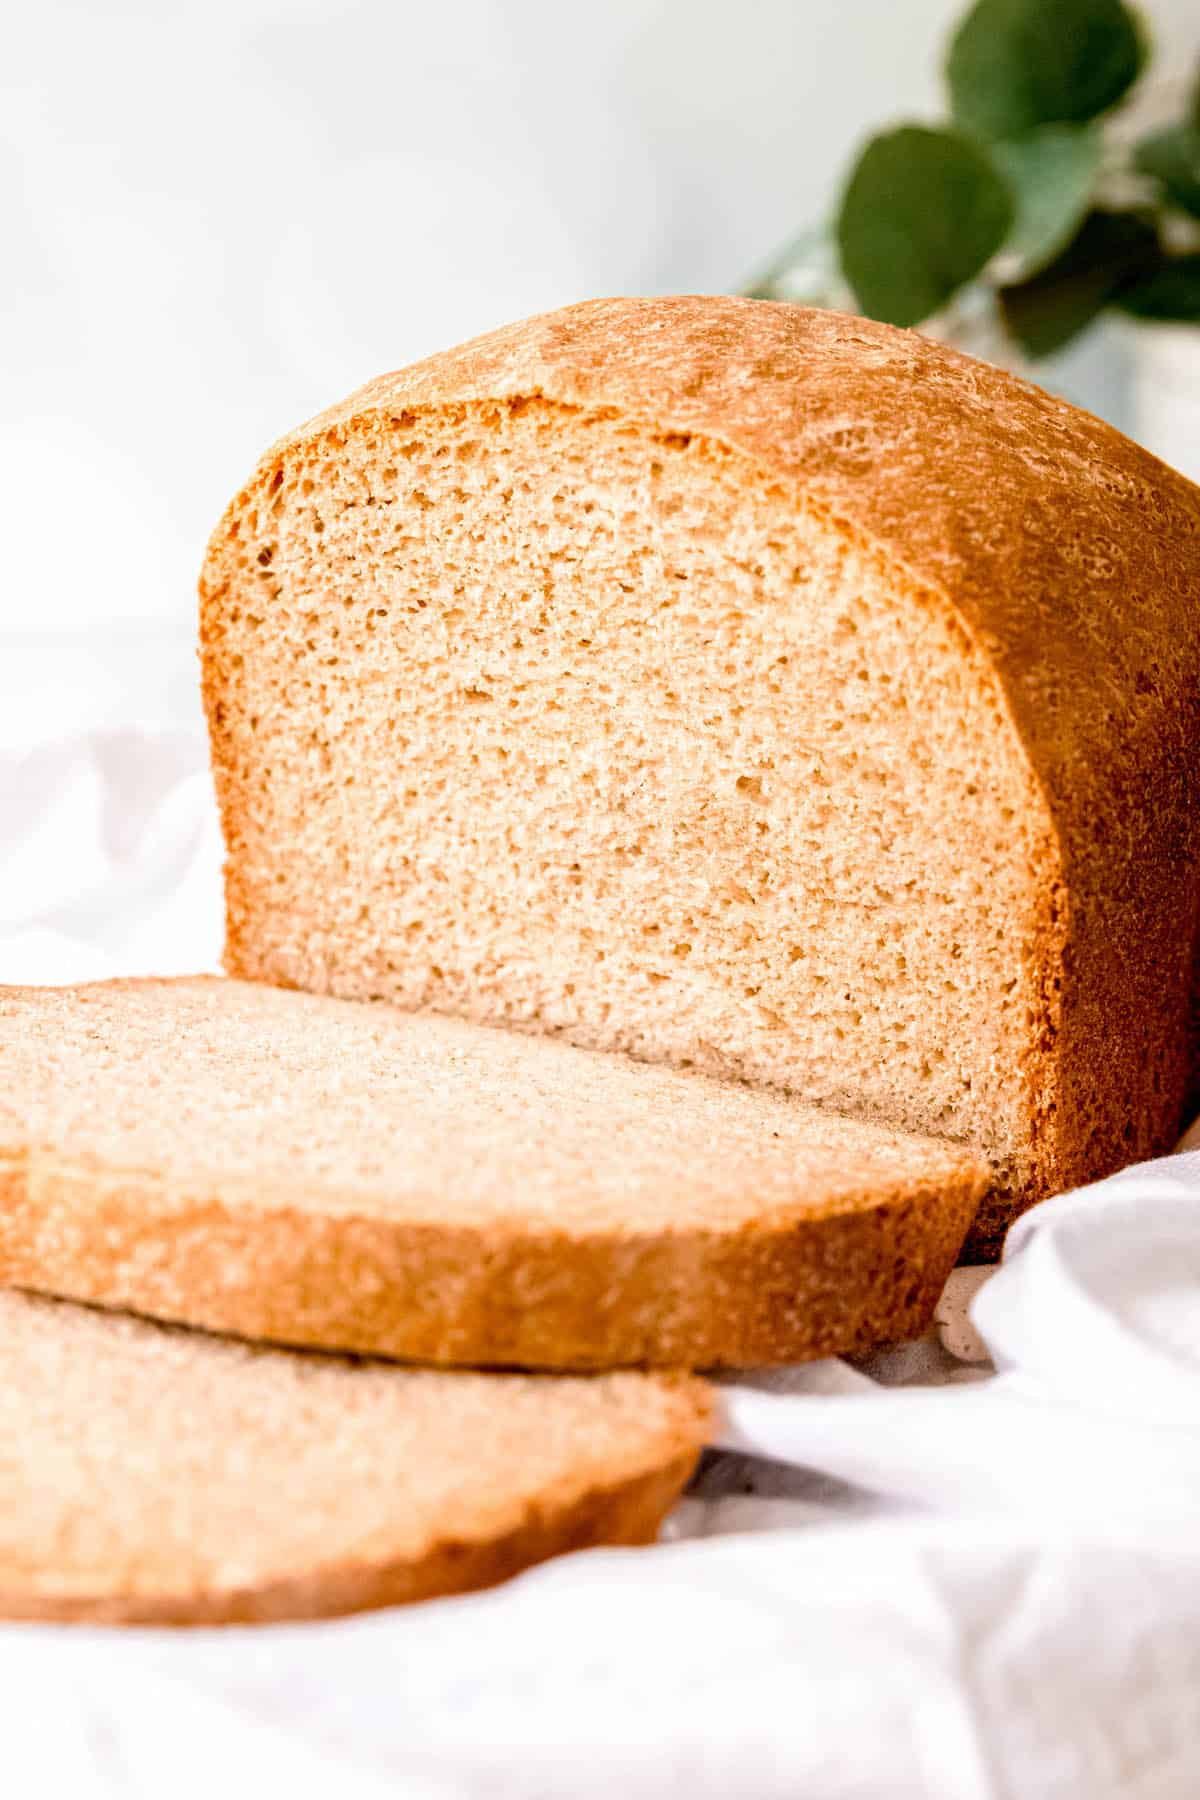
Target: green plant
[[1024, 190]]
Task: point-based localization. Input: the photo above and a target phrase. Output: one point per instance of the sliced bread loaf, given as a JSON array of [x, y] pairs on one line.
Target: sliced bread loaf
[[748, 688], [158, 1475], [313, 1171]]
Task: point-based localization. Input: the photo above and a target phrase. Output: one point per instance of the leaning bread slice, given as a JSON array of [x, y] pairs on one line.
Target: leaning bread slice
[[314, 1171], [160, 1475]]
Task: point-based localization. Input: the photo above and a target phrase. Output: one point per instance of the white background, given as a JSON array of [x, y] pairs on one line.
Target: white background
[[216, 218]]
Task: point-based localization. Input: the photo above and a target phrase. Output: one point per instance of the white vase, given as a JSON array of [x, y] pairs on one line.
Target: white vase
[[1165, 393]]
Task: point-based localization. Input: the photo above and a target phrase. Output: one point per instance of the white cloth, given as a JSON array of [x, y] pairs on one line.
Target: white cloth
[[966, 1568]]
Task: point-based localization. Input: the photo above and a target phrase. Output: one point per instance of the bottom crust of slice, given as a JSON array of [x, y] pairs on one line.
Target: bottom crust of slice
[[626, 1515], [158, 1476]]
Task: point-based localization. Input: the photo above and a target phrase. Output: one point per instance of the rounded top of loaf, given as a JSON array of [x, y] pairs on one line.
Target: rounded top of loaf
[[1070, 554]]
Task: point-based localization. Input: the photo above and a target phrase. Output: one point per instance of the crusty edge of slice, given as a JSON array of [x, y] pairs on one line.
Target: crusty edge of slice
[[791, 1288], [625, 1512]]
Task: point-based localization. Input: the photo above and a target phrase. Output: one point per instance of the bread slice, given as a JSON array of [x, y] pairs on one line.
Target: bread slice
[[743, 687], [313, 1171], [157, 1475]]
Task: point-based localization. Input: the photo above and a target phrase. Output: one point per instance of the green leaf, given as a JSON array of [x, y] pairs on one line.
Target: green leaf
[[1051, 173], [923, 212], [1172, 157], [1170, 292], [1016, 64], [1109, 252]]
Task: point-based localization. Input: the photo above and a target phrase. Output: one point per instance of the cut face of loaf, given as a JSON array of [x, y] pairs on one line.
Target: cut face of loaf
[[768, 693]]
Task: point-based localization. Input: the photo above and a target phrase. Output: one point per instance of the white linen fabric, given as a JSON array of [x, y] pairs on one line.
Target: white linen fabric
[[968, 1567]]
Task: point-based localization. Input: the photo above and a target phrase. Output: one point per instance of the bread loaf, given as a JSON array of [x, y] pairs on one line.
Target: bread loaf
[[309, 1171], [161, 1476], [758, 690]]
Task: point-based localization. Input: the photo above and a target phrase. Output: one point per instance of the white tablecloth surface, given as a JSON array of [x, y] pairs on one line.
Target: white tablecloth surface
[[967, 1568]]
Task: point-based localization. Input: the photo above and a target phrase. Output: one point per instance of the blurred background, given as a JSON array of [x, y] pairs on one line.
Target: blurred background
[[218, 217]]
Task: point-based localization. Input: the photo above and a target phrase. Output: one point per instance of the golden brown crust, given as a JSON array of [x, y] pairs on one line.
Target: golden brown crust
[[971, 477], [627, 1513], [782, 1291], [1071, 558]]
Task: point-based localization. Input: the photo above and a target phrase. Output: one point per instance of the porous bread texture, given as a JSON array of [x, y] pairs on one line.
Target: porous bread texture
[[307, 1170], [160, 1476], [758, 690]]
